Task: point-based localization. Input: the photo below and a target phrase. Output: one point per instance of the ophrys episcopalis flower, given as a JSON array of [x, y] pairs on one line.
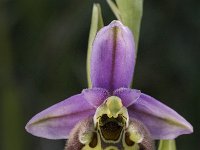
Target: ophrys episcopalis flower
[[110, 115]]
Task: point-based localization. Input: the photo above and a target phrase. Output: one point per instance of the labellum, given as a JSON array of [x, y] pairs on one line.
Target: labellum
[[110, 129]]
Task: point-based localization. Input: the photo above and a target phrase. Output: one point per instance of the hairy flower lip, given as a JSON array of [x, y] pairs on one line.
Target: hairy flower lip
[[112, 68]]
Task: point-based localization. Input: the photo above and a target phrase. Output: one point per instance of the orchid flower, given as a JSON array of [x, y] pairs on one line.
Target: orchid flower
[[110, 115]]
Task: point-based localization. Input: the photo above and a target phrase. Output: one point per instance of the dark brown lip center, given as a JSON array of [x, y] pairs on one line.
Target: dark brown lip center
[[111, 128]]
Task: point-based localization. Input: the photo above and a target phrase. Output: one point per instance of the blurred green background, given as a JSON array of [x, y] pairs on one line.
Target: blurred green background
[[43, 47]]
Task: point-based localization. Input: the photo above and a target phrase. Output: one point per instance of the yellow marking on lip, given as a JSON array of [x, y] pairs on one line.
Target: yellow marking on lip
[[98, 147], [111, 148]]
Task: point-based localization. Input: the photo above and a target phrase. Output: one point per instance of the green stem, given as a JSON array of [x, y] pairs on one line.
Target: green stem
[[167, 145]]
